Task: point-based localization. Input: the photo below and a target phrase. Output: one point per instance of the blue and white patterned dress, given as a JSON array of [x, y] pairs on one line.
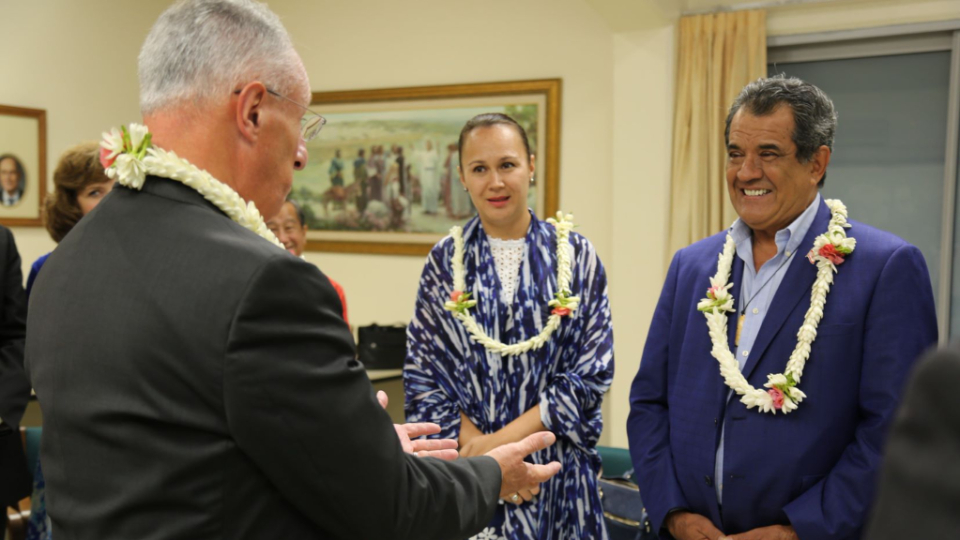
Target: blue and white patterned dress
[[446, 372]]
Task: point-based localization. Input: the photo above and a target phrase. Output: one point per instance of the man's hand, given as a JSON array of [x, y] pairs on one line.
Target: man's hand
[[519, 476], [774, 532], [689, 526], [438, 448]]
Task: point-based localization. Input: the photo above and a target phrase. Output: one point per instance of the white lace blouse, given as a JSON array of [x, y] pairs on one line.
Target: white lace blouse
[[507, 256]]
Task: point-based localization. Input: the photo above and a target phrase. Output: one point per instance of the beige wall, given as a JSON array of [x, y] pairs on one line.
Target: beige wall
[[77, 60], [642, 135], [350, 45], [849, 14]]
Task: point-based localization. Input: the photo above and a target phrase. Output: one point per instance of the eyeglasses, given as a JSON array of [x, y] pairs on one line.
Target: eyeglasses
[[310, 123]]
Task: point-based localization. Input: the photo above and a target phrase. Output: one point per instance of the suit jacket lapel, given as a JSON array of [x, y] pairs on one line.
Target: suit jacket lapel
[[732, 318], [794, 288]]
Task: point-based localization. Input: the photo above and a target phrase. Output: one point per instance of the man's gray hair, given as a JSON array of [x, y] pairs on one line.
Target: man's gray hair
[[815, 119], [202, 50]]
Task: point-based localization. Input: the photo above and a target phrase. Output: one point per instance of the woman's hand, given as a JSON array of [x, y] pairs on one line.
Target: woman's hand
[[468, 430], [473, 442], [480, 445], [522, 496]]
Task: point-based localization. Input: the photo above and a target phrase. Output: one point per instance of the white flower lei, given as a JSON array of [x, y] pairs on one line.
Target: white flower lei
[[563, 305], [782, 387], [128, 157]]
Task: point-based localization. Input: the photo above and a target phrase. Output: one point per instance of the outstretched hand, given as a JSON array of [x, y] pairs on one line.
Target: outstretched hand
[[438, 448], [518, 475]]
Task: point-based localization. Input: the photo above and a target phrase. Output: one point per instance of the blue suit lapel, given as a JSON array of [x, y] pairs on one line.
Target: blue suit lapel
[[737, 278], [794, 288]]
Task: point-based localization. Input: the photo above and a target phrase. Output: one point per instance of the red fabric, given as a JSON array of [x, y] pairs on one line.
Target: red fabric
[[343, 298]]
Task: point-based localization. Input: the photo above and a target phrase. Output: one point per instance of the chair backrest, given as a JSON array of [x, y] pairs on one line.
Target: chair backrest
[[616, 462]]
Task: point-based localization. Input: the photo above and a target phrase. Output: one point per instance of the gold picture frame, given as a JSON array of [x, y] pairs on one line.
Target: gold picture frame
[[23, 165], [348, 211]]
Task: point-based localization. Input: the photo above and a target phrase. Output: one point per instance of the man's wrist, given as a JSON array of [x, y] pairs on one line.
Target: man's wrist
[[671, 517]]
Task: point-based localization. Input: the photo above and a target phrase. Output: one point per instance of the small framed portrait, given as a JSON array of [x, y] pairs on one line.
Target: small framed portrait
[[382, 176], [23, 165]]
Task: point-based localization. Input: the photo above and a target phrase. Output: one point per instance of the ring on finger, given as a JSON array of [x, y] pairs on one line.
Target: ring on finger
[[515, 497]]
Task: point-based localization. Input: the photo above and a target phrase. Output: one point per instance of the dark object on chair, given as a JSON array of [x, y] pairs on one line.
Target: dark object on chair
[[623, 510], [382, 347], [19, 515]]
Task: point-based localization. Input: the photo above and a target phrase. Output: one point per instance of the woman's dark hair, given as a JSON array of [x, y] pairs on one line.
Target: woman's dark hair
[[487, 120], [78, 168]]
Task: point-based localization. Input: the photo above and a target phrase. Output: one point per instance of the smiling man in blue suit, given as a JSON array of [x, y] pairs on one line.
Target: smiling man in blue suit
[[761, 405]]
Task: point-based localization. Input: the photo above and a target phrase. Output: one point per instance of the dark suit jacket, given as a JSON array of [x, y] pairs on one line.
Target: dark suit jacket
[[199, 382], [15, 482], [814, 468], [919, 491]]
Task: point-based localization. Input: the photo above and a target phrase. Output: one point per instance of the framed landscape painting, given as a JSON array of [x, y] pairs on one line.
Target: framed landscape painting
[[382, 175], [23, 165]]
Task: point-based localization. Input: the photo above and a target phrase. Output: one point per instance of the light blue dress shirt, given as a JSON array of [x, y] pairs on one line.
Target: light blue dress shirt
[[758, 290]]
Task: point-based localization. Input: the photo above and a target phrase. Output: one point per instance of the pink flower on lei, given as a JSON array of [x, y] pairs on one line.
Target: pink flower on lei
[[105, 158], [829, 252], [777, 395]]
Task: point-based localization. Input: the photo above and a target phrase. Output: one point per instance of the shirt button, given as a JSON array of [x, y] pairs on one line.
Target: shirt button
[[755, 311], [746, 354]]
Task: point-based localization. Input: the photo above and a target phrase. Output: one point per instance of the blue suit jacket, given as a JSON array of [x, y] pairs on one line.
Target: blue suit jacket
[[816, 467]]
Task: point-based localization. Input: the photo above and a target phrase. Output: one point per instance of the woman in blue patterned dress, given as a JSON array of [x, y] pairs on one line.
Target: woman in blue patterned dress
[[484, 398]]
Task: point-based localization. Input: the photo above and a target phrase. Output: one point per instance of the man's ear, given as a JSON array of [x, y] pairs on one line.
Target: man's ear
[[249, 107], [818, 163]]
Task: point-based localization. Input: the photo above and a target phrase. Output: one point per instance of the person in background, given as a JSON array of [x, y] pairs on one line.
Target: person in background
[[556, 380], [12, 180], [429, 160], [360, 178], [336, 169], [14, 386], [290, 226], [376, 174], [461, 205], [79, 184], [918, 493]]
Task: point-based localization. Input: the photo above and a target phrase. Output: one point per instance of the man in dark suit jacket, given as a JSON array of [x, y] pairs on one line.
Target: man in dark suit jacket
[[919, 491], [15, 481], [707, 464], [198, 381]]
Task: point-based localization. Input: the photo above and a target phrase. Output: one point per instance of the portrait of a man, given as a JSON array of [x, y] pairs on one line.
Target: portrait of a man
[[12, 180]]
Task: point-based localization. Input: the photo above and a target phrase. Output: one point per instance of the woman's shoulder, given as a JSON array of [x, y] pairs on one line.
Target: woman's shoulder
[[39, 262], [443, 250]]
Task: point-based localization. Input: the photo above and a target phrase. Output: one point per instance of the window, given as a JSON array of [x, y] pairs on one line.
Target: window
[[895, 156]]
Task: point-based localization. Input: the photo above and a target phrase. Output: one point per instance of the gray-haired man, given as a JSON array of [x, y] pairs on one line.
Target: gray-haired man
[[196, 379]]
